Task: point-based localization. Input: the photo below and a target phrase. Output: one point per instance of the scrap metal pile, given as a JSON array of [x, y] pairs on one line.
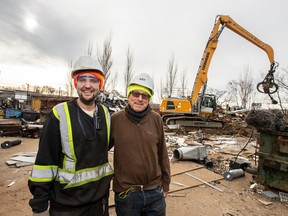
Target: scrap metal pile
[[269, 121], [29, 123], [20, 127], [113, 101]]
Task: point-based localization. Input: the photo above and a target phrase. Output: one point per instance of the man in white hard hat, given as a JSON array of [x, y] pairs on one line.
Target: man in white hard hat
[[71, 171], [141, 164]]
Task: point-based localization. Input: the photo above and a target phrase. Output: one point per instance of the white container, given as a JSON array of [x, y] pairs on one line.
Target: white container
[[190, 153], [232, 174]]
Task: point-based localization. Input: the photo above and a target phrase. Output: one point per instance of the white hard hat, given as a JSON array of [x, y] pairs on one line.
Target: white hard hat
[[144, 80], [86, 63]]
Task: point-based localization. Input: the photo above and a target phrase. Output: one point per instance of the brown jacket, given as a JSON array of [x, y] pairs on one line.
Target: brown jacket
[[140, 153]]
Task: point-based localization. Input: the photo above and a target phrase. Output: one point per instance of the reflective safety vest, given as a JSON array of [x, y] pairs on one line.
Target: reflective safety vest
[[68, 174]]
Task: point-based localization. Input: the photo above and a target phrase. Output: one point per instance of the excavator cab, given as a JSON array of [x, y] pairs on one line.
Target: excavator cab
[[205, 105]]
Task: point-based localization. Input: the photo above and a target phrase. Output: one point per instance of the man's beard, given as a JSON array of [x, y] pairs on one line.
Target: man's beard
[[88, 101]]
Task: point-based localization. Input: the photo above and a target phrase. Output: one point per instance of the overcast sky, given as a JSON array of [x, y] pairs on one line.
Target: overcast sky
[[38, 39]]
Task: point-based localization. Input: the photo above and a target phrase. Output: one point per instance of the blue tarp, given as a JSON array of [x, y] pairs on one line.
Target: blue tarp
[[12, 113]]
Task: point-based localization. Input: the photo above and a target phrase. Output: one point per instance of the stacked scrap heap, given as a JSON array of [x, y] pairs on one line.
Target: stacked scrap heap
[[268, 121]]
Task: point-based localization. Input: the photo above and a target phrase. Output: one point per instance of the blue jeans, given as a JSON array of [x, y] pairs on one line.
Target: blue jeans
[[148, 203]]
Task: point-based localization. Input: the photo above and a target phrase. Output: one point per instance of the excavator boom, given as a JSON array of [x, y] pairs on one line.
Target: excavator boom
[[221, 22], [181, 111]]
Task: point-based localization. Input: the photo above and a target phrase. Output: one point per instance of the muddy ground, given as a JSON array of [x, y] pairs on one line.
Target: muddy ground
[[237, 198]]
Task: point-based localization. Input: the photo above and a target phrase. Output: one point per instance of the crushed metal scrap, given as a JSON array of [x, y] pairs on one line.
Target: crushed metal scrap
[[114, 101], [269, 121], [19, 127]]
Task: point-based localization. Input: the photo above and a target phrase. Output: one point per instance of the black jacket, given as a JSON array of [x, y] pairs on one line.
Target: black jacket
[[91, 150]]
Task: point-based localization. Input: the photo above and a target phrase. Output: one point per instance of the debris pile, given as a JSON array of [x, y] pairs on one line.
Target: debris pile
[[22, 159], [113, 101], [269, 121], [20, 127], [10, 127], [29, 123]]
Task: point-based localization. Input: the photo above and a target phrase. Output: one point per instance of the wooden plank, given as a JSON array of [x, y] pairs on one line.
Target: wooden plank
[[178, 167], [11, 162], [27, 154], [23, 159], [22, 164], [202, 173]]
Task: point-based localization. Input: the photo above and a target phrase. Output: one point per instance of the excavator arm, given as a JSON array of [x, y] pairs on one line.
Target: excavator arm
[[194, 111], [221, 22]]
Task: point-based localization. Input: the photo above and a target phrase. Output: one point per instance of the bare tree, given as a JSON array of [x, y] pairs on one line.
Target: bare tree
[[245, 87], [161, 94], [37, 89], [171, 76], [128, 74], [105, 58], [218, 94], [240, 91], [112, 83], [48, 90], [282, 79], [69, 83], [232, 90], [183, 83], [90, 48]]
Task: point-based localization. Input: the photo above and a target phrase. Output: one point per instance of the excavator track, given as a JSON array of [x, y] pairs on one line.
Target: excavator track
[[193, 121]]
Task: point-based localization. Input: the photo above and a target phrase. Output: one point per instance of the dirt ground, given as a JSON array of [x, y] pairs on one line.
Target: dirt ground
[[236, 199]]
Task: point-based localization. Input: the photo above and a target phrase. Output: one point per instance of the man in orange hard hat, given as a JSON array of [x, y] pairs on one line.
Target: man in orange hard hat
[[71, 171]]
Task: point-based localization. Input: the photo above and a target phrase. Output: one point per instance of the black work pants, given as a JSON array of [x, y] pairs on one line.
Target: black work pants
[[95, 209]]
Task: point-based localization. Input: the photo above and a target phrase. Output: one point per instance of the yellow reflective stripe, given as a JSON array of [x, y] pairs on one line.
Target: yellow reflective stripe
[[71, 166], [68, 175], [66, 136], [55, 113], [84, 176], [41, 179], [43, 173], [107, 117]]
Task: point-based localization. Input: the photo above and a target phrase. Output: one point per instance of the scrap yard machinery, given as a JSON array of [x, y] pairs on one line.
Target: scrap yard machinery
[[197, 110]]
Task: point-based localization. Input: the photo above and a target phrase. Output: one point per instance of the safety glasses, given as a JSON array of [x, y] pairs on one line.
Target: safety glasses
[[87, 78], [137, 95]]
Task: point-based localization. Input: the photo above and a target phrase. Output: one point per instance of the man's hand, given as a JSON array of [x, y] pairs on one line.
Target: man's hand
[[165, 194], [45, 213]]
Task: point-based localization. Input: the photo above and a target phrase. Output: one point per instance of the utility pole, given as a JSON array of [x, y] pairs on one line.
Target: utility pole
[[27, 93]]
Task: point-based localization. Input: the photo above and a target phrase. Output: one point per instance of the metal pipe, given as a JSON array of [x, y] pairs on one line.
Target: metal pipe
[[204, 182]]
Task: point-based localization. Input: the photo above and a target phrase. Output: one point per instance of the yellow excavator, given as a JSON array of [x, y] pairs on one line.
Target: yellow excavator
[[195, 110]]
